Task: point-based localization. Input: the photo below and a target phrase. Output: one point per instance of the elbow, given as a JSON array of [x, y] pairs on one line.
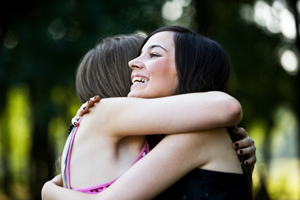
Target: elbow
[[43, 191], [234, 111], [229, 110]]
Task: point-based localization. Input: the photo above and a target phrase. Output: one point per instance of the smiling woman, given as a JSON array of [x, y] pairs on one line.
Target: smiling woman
[[111, 136], [161, 81]]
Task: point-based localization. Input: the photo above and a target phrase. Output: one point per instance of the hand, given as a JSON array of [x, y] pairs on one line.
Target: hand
[[245, 146], [84, 109]]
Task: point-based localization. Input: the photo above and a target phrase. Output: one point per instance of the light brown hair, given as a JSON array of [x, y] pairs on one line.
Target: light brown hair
[[104, 69]]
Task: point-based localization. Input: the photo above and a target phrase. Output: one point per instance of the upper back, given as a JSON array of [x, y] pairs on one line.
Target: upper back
[[97, 157]]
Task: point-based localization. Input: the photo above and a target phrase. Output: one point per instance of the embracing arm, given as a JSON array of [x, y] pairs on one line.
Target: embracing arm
[[167, 115], [169, 161], [174, 157]]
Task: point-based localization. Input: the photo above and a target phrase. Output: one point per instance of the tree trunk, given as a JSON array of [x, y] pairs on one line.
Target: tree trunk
[[203, 16], [42, 159]]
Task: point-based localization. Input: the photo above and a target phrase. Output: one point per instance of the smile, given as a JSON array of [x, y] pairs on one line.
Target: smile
[[139, 80]]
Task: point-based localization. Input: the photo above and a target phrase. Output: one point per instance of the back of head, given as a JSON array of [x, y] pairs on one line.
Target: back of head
[[104, 69], [202, 64]]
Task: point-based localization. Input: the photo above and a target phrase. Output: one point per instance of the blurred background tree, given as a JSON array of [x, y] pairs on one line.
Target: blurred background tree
[[42, 42]]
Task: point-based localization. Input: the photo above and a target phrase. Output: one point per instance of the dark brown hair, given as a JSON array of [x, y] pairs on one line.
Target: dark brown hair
[[202, 65], [104, 69]]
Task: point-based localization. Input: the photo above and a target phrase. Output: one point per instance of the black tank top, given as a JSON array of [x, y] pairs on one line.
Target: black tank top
[[204, 184]]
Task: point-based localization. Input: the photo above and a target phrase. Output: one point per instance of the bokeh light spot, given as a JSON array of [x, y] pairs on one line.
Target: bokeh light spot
[[172, 11], [10, 40], [288, 25], [289, 62], [57, 29], [247, 13], [183, 3], [276, 18]]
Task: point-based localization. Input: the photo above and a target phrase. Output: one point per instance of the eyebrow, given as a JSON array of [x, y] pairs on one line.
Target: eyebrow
[[153, 46]]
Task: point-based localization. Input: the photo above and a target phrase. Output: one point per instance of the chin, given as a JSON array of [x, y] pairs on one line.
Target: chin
[[132, 94]]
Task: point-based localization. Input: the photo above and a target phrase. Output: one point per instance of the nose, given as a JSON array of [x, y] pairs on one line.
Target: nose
[[135, 64]]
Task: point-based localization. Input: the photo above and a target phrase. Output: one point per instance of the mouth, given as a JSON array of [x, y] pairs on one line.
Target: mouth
[[138, 79]]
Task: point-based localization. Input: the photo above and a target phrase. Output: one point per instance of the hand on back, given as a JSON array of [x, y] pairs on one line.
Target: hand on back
[[85, 108]]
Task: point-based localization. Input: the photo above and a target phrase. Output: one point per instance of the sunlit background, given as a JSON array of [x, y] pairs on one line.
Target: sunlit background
[[43, 42]]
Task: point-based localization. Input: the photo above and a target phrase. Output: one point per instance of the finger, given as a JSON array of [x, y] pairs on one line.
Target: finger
[[250, 161], [75, 121], [241, 131], [246, 142], [250, 151], [92, 101], [82, 110], [96, 98], [85, 107]]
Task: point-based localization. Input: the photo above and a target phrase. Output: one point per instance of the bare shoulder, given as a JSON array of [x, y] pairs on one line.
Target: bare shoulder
[[200, 147]]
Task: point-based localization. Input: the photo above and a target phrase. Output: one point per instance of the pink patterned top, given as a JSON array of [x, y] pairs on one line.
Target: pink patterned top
[[98, 188]]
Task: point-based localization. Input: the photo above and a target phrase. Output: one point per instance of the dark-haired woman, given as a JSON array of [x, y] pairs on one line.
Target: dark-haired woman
[[208, 155]]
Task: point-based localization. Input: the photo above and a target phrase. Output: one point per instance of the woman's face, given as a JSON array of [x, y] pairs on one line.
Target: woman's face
[[154, 71]]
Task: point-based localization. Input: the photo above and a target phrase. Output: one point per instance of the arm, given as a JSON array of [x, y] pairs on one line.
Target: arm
[[176, 114], [169, 161], [53, 190], [246, 144], [174, 157]]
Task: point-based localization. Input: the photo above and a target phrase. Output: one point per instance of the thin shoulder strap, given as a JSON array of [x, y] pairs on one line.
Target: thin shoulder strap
[[68, 157]]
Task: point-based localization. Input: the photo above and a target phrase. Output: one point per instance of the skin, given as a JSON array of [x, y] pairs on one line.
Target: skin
[[138, 189], [161, 81], [173, 154]]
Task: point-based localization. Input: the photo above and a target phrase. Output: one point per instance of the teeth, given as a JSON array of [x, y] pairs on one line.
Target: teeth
[[139, 79]]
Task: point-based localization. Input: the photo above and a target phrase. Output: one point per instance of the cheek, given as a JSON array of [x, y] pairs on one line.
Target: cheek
[[162, 72], [166, 78], [173, 76]]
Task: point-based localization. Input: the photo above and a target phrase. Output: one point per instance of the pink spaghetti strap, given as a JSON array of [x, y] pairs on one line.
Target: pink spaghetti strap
[[69, 156], [98, 188]]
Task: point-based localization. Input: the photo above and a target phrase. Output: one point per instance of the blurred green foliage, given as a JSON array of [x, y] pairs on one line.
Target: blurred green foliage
[[42, 42]]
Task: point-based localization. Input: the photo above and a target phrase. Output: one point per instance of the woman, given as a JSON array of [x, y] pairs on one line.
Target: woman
[[163, 56]]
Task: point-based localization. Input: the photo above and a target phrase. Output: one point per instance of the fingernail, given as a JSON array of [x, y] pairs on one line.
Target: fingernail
[[95, 96], [246, 162], [75, 123], [84, 108], [236, 129], [236, 144], [241, 152]]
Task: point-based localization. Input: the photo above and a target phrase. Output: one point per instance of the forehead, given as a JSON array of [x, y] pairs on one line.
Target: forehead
[[164, 39]]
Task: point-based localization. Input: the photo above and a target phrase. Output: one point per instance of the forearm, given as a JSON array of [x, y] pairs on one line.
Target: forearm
[[168, 162], [176, 114], [51, 191]]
